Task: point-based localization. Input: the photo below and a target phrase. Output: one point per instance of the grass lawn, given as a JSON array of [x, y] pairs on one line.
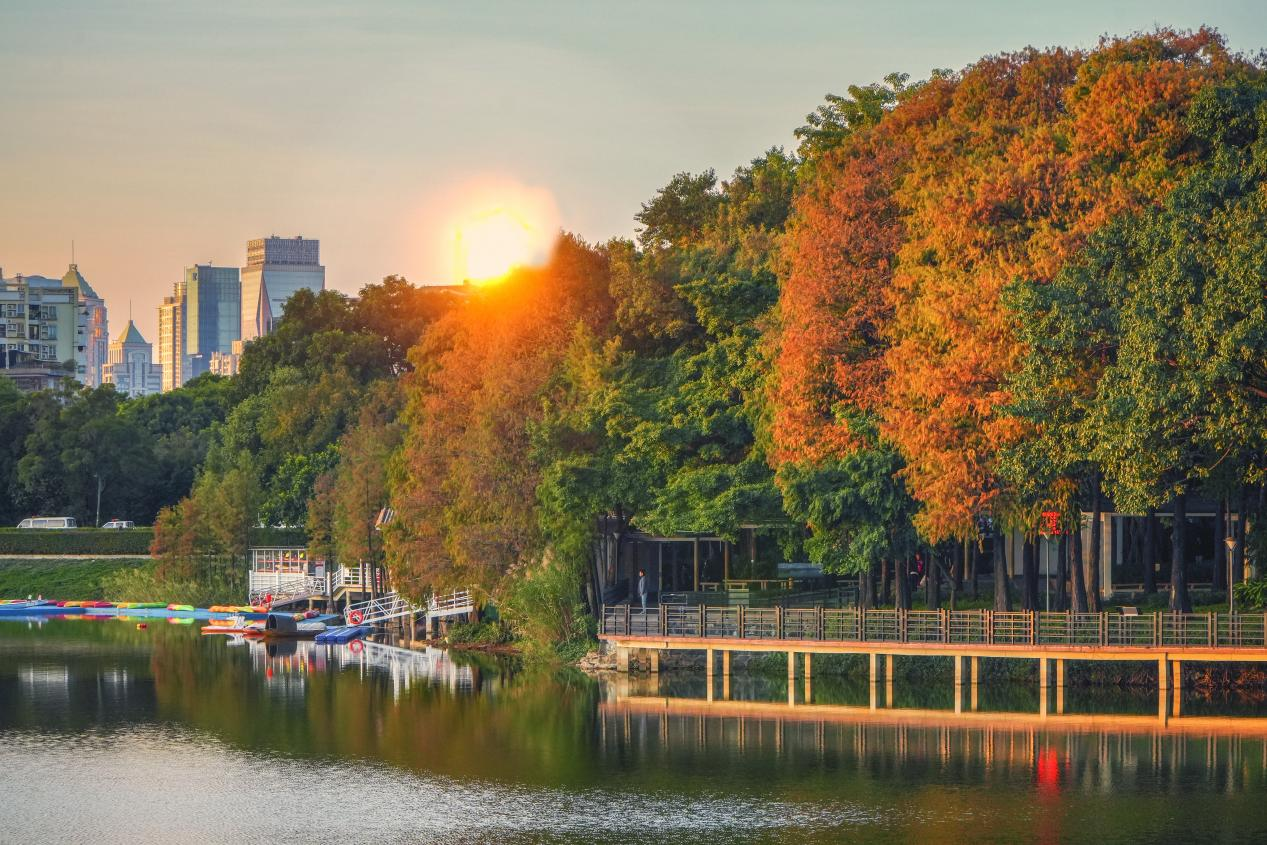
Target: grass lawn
[[68, 579]]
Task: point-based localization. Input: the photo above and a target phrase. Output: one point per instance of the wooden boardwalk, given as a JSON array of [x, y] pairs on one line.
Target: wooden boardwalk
[[1168, 639]]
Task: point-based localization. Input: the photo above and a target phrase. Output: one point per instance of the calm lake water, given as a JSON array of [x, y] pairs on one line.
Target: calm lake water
[[113, 734]]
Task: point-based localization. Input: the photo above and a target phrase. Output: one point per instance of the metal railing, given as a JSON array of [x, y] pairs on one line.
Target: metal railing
[[451, 604], [283, 592], [353, 578], [964, 627], [381, 609]]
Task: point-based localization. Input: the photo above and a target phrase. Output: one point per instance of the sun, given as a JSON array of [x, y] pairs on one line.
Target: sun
[[493, 242]]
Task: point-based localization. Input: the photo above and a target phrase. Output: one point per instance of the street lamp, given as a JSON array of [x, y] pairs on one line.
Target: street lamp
[[1230, 542]]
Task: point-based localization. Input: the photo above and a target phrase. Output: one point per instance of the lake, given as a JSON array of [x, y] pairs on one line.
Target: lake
[[113, 734]]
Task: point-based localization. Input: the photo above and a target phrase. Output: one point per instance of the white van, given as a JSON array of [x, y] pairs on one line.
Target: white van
[[48, 522], [119, 525]]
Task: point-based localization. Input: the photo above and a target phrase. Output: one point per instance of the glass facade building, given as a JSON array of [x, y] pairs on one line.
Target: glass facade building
[[275, 269], [213, 315]]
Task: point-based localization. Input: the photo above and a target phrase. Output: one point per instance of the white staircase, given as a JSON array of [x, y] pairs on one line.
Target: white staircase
[[286, 592]]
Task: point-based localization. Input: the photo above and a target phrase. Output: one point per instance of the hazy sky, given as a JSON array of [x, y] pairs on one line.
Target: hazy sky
[[160, 134]]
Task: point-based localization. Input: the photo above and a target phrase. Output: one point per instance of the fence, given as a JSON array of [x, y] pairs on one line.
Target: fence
[[965, 627]]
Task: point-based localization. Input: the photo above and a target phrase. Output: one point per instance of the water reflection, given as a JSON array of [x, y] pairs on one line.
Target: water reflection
[[286, 664], [158, 731]]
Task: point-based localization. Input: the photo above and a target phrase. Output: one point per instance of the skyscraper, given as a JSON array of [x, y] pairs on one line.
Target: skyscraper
[[94, 337], [130, 367], [171, 339], [275, 269], [213, 314]]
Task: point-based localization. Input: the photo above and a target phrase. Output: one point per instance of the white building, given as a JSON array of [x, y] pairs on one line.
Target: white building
[[130, 367], [226, 363], [275, 269]]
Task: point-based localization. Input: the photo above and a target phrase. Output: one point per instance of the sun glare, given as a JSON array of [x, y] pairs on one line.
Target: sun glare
[[494, 242], [497, 224]]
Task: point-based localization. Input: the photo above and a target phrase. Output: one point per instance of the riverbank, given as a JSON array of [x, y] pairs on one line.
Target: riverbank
[[62, 576]]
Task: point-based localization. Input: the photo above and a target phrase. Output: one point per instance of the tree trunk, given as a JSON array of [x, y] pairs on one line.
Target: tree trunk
[[1077, 590], [1002, 598], [1150, 553], [1062, 573], [1218, 579], [1094, 558], [886, 573], [956, 574], [902, 578], [1179, 600], [866, 588], [1029, 569], [976, 566]]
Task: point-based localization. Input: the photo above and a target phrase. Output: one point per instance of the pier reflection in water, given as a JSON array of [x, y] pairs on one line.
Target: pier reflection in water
[[282, 661], [125, 731]]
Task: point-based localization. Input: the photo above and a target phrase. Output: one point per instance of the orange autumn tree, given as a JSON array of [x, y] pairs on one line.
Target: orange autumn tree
[[1037, 151], [835, 307], [465, 482], [892, 299]]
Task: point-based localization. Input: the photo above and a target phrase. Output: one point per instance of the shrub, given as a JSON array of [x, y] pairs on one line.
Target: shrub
[[479, 633], [1252, 594], [77, 541]]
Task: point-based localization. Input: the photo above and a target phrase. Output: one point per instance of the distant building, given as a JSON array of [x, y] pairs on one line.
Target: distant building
[[171, 339], [226, 363], [275, 269], [93, 342], [130, 367], [212, 315], [40, 327]]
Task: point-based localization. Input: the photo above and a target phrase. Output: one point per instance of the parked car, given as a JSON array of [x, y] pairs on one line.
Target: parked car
[[119, 524], [48, 522]]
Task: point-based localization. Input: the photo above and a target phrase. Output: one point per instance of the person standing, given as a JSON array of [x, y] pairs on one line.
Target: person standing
[[642, 588]]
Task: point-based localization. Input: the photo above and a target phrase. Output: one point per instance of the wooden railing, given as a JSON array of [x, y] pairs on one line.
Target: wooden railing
[[747, 584], [964, 627]]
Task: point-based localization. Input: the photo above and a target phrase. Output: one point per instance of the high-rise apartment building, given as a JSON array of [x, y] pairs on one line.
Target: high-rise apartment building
[[171, 339], [213, 314], [275, 269], [40, 327], [130, 365]]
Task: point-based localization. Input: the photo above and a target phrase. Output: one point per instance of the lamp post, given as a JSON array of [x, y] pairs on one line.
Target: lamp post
[[1230, 542]]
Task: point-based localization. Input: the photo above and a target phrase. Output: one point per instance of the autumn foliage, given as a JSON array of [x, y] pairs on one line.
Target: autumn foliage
[[902, 244], [466, 486]]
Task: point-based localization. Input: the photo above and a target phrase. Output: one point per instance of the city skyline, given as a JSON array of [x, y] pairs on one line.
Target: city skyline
[[374, 128]]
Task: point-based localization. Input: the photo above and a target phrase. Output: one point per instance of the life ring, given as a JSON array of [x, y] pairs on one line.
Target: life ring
[[356, 646], [355, 617]]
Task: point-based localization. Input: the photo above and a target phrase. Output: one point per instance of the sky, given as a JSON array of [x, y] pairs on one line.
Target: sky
[[156, 135]]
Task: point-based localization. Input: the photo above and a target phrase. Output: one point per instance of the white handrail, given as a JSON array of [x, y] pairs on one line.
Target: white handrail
[[459, 601], [381, 609], [287, 591]]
